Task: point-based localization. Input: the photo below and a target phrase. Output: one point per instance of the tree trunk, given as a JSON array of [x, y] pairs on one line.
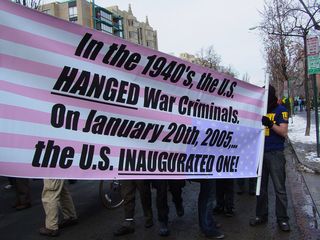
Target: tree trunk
[[306, 85]]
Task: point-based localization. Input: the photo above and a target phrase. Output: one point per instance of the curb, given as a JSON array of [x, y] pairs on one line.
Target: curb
[[303, 163], [305, 183], [306, 213]]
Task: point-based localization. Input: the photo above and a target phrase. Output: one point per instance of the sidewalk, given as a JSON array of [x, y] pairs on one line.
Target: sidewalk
[[305, 147], [305, 150]]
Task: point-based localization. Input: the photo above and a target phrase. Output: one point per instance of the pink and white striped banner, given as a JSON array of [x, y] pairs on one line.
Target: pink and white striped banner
[[78, 103]]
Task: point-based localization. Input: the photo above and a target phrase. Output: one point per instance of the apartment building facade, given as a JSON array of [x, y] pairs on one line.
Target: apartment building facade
[[110, 20], [135, 31]]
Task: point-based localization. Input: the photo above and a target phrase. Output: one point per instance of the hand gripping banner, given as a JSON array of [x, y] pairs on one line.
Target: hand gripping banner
[[78, 103]]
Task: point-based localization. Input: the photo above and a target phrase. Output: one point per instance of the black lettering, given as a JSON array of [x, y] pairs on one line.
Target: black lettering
[[93, 48], [82, 44], [86, 158], [40, 146], [65, 79], [105, 163], [108, 55], [66, 157]]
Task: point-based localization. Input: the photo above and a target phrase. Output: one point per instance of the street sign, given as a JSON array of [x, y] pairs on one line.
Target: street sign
[[313, 64], [312, 46]]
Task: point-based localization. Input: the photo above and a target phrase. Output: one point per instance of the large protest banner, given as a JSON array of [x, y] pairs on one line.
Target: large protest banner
[[78, 103]]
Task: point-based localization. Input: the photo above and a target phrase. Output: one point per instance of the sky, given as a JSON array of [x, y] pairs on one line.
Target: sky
[[192, 25]]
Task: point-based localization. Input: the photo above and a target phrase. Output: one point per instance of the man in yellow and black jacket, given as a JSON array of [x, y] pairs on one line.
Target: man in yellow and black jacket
[[276, 123]]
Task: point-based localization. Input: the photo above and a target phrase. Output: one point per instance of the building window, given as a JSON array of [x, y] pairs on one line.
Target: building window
[[105, 16], [133, 34], [149, 33], [73, 19], [73, 12], [150, 44], [104, 27], [130, 22]]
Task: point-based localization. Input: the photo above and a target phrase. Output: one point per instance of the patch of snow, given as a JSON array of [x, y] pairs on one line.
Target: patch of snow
[[296, 134]]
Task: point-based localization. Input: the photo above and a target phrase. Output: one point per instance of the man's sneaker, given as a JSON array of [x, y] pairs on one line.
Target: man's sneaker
[[218, 210], [148, 223], [127, 227], [284, 226], [48, 232], [215, 235], [68, 222], [164, 230], [8, 187], [179, 210], [257, 221]]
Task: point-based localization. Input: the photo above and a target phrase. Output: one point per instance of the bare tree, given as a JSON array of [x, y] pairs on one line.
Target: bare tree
[[286, 19], [210, 59], [229, 70], [246, 77]]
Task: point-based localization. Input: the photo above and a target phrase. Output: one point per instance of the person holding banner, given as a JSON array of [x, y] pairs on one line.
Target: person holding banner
[[276, 123], [23, 199], [208, 226], [224, 193], [175, 187], [55, 194], [128, 192]]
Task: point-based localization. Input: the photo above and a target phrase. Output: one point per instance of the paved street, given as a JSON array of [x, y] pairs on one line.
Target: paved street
[[97, 223]]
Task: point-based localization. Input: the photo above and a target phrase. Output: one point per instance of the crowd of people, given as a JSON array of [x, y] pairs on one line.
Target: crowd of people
[[56, 196]]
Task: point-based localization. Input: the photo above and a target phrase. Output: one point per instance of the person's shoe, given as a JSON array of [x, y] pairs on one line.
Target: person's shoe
[[8, 187], [229, 212], [284, 226], [215, 235], [68, 222], [180, 210], [164, 230], [126, 228], [20, 207], [148, 223], [218, 210], [48, 232], [257, 221], [217, 225]]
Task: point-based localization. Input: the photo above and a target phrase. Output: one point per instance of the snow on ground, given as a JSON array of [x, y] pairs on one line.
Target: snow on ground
[[297, 136]]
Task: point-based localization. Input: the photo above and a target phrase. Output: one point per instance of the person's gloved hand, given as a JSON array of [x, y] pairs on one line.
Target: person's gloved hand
[[266, 122]]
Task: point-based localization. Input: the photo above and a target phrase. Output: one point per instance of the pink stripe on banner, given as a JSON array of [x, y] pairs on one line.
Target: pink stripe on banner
[[46, 97], [27, 171], [36, 41], [28, 66], [248, 100], [249, 115], [23, 114], [28, 142], [20, 141]]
